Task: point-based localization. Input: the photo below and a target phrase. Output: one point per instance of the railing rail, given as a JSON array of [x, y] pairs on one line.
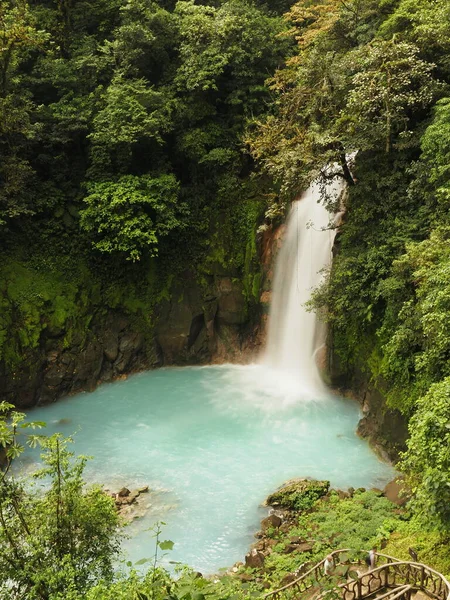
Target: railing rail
[[306, 580], [398, 578]]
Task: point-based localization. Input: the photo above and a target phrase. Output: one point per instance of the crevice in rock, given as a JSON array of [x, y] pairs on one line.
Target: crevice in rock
[[197, 324]]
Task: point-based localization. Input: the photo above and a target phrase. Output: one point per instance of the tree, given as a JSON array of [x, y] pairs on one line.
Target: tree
[[436, 152], [129, 215], [342, 92], [133, 113], [424, 23], [393, 84], [144, 44], [64, 539], [19, 36], [427, 459], [18, 33]]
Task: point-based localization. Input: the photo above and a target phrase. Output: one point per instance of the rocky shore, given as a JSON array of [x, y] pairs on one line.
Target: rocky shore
[[291, 500]]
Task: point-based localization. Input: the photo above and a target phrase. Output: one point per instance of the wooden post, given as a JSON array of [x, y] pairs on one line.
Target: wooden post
[[359, 588]]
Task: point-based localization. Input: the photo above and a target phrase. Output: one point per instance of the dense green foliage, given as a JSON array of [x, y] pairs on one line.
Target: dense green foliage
[[60, 540], [356, 523], [121, 140], [122, 92], [368, 89]]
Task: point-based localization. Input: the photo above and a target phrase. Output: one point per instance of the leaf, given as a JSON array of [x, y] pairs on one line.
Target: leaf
[[33, 425], [14, 451], [142, 561], [166, 545]]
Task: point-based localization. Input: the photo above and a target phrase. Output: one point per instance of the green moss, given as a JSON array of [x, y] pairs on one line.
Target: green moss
[[42, 294], [299, 495], [256, 286], [57, 289]]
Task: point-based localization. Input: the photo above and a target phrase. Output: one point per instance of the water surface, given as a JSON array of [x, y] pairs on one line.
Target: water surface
[[212, 443]]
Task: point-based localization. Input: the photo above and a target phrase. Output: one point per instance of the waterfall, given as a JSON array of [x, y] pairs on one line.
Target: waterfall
[[295, 335]]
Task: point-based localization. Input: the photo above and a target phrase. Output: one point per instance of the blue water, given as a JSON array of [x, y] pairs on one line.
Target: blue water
[[212, 443]]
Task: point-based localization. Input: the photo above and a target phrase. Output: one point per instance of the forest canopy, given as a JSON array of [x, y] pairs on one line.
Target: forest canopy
[[115, 95]]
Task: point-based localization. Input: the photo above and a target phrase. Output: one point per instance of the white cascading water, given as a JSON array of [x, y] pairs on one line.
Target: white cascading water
[[295, 334]]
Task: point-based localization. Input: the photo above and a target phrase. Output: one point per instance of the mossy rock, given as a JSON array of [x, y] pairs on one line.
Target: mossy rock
[[298, 494]]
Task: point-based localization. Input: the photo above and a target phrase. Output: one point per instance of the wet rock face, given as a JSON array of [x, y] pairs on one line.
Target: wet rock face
[[196, 325], [386, 429], [211, 322], [110, 349]]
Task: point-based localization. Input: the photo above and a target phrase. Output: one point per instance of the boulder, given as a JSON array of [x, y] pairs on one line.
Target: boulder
[[123, 492], [254, 559], [301, 547], [272, 521], [298, 494], [396, 492], [133, 495], [295, 539], [342, 495], [265, 545], [289, 578]]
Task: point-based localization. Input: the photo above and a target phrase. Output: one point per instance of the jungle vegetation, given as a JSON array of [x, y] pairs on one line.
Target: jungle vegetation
[[131, 129], [368, 89]]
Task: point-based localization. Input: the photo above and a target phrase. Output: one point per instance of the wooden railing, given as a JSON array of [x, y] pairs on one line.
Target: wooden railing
[[393, 579], [307, 580]]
